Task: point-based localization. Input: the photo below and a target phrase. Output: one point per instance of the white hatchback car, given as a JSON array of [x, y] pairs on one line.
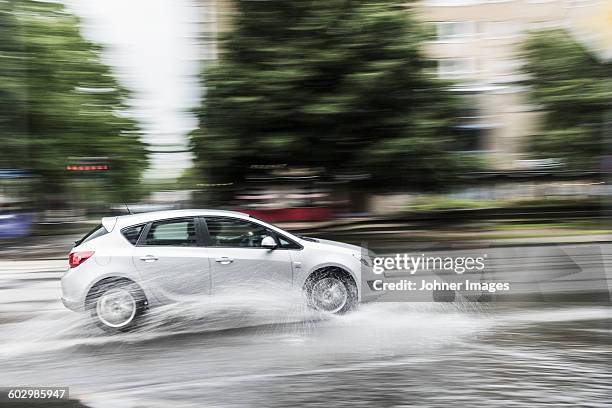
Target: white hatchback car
[[133, 262]]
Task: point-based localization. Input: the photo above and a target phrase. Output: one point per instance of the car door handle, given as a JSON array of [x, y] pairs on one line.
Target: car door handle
[[224, 260], [148, 258]]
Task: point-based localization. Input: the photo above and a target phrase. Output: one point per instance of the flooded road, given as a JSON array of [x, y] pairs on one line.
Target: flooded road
[[254, 349], [382, 355]]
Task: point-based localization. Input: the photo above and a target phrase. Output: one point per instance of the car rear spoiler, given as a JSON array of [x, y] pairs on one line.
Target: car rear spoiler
[[109, 223]]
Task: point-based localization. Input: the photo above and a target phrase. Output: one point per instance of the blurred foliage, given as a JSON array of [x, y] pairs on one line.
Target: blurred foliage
[[435, 202], [60, 101], [342, 85], [574, 91]]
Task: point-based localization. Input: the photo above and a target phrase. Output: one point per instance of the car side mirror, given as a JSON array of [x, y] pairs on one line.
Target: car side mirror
[[268, 242]]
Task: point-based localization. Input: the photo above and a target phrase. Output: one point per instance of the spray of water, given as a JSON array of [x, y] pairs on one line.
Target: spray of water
[[255, 311]]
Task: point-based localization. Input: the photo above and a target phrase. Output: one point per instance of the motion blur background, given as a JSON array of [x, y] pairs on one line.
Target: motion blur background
[[303, 111], [321, 116]]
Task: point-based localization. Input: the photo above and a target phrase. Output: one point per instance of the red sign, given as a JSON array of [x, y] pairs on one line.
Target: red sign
[[87, 167]]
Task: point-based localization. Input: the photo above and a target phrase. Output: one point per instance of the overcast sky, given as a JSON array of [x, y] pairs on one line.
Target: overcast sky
[[151, 46]]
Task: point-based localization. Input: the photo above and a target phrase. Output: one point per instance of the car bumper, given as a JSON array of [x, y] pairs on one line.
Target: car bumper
[[74, 305]]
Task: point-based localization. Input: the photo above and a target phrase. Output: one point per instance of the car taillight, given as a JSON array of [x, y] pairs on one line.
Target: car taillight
[[77, 258]]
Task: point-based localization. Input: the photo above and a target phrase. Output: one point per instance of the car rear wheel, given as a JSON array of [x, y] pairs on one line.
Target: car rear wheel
[[331, 292], [116, 306]]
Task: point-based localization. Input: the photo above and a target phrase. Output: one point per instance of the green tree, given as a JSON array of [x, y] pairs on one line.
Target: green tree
[[339, 84], [59, 100], [573, 90]]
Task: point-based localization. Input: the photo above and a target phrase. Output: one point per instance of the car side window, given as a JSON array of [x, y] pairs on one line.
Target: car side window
[[285, 243], [176, 232], [235, 233], [132, 233]]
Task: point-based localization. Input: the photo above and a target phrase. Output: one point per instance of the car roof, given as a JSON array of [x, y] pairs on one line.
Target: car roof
[[133, 219]]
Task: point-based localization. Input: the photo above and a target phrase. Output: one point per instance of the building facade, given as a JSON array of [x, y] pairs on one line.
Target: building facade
[[477, 45], [213, 20]]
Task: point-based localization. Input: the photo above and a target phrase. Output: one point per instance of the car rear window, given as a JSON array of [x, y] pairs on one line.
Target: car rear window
[[97, 232], [132, 233]]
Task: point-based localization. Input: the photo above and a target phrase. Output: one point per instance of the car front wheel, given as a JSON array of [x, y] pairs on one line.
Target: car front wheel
[[331, 292]]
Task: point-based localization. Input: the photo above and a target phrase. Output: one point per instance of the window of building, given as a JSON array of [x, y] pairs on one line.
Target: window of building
[[455, 30], [455, 67], [545, 25], [502, 29]]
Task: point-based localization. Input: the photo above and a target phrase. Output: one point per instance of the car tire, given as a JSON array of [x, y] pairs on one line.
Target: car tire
[[116, 305], [331, 290]]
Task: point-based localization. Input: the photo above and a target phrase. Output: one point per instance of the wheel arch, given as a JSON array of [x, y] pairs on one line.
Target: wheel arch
[[327, 267], [110, 279]]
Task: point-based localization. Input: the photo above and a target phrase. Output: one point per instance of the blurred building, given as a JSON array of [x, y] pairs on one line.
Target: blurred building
[[477, 44], [213, 21]]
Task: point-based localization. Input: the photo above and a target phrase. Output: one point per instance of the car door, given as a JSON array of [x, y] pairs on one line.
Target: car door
[[170, 259], [239, 261]]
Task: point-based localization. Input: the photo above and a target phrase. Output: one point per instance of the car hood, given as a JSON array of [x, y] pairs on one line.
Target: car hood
[[350, 247]]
